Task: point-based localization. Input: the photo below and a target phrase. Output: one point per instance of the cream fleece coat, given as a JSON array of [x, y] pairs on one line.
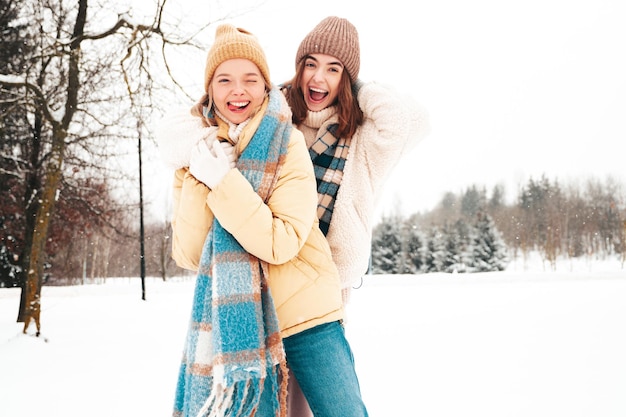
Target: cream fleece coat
[[393, 125], [177, 133]]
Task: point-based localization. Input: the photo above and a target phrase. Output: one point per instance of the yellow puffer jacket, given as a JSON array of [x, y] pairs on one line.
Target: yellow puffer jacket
[[303, 280]]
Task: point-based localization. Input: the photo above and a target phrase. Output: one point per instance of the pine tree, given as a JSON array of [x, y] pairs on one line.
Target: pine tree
[[436, 251], [473, 201], [415, 259], [489, 249], [452, 243], [459, 252], [386, 247]]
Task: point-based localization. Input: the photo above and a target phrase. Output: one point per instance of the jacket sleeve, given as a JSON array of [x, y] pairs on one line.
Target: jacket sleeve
[[274, 231], [191, 219]]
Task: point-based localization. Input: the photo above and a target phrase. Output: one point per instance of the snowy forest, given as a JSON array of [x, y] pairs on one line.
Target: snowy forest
[[77, 99], [478, 232]]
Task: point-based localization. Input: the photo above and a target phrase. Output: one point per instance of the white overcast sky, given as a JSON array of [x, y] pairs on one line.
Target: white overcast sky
[[514, 89]]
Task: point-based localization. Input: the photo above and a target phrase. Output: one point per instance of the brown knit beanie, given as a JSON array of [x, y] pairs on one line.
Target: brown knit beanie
[[337, 37], [230, 43]]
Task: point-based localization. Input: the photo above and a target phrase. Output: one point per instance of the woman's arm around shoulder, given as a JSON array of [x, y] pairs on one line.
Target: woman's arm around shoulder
[[395, 120], [176, 133]]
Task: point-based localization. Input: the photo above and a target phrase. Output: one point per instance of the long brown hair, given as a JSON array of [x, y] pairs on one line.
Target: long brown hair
[[348, 110]]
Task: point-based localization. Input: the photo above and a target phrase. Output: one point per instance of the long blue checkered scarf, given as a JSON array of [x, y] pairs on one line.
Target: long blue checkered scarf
[[233, 343]]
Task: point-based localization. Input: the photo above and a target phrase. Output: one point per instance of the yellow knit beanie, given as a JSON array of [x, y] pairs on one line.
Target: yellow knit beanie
[[230, 43], [337, 37]]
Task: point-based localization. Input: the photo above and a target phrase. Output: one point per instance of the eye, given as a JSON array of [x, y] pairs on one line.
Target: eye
[[336, 68], [223, 80]]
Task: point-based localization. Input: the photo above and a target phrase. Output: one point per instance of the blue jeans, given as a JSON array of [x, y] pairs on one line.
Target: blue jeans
[[322, 362]]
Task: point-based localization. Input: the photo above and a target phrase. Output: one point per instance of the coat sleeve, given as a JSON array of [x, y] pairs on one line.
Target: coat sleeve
[[191, 219], [394, 124], [274, 231], [176, 133]]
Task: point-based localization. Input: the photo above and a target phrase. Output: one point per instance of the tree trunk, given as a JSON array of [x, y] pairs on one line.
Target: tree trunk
[[54, 172], [34, 274], [164, 254], [31, 202], [105, 262], [94, 257]]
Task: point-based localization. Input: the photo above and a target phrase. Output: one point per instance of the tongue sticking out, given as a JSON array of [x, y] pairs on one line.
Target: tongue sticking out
[[236, 106]]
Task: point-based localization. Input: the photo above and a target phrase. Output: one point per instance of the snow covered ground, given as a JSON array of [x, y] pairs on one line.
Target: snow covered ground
[[520, 343]]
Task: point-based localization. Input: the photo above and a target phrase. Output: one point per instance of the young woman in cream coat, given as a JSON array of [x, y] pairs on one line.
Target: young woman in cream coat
[[356, 133], [366, 127]]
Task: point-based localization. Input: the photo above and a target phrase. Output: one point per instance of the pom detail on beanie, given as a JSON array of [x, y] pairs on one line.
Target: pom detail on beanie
[[231, 43], [337, 37]]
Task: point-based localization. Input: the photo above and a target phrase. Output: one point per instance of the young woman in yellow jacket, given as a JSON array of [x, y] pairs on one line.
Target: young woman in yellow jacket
[[267, 293]]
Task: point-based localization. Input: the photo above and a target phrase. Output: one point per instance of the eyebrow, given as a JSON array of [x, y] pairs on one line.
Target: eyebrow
[[226, 74], [328, 63]]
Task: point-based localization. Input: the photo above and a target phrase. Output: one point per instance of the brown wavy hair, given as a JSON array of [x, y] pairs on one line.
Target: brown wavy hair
[[348, 110]]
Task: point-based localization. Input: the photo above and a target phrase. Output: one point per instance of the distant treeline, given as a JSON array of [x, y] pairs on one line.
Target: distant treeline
[[467, 232], [477, 231]]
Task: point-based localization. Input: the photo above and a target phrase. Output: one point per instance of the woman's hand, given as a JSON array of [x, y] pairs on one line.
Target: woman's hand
[[210, 165]]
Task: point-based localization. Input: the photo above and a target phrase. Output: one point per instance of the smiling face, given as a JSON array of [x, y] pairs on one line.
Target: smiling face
[[320, 81], [238, 89]]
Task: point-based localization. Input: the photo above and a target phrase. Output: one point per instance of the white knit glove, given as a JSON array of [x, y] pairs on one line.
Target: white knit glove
[[210, 163], [229, 150]]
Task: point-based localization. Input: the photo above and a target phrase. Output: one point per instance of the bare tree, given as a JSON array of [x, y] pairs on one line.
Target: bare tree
[[79, 85]]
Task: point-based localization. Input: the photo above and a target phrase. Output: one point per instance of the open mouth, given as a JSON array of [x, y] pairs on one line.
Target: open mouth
[[237, 105], [317, 95]]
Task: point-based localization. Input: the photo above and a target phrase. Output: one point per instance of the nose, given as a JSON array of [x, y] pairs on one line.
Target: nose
[[238, 87], [318, 74]]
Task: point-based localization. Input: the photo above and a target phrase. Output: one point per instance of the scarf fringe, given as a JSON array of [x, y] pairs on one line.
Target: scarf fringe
[[241, 399], [238, 400], [284, 374]]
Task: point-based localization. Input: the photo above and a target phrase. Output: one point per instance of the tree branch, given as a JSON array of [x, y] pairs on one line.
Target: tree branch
[[16, 82]]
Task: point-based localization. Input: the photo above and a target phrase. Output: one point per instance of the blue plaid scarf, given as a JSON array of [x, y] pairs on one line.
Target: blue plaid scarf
[[233, 344]]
